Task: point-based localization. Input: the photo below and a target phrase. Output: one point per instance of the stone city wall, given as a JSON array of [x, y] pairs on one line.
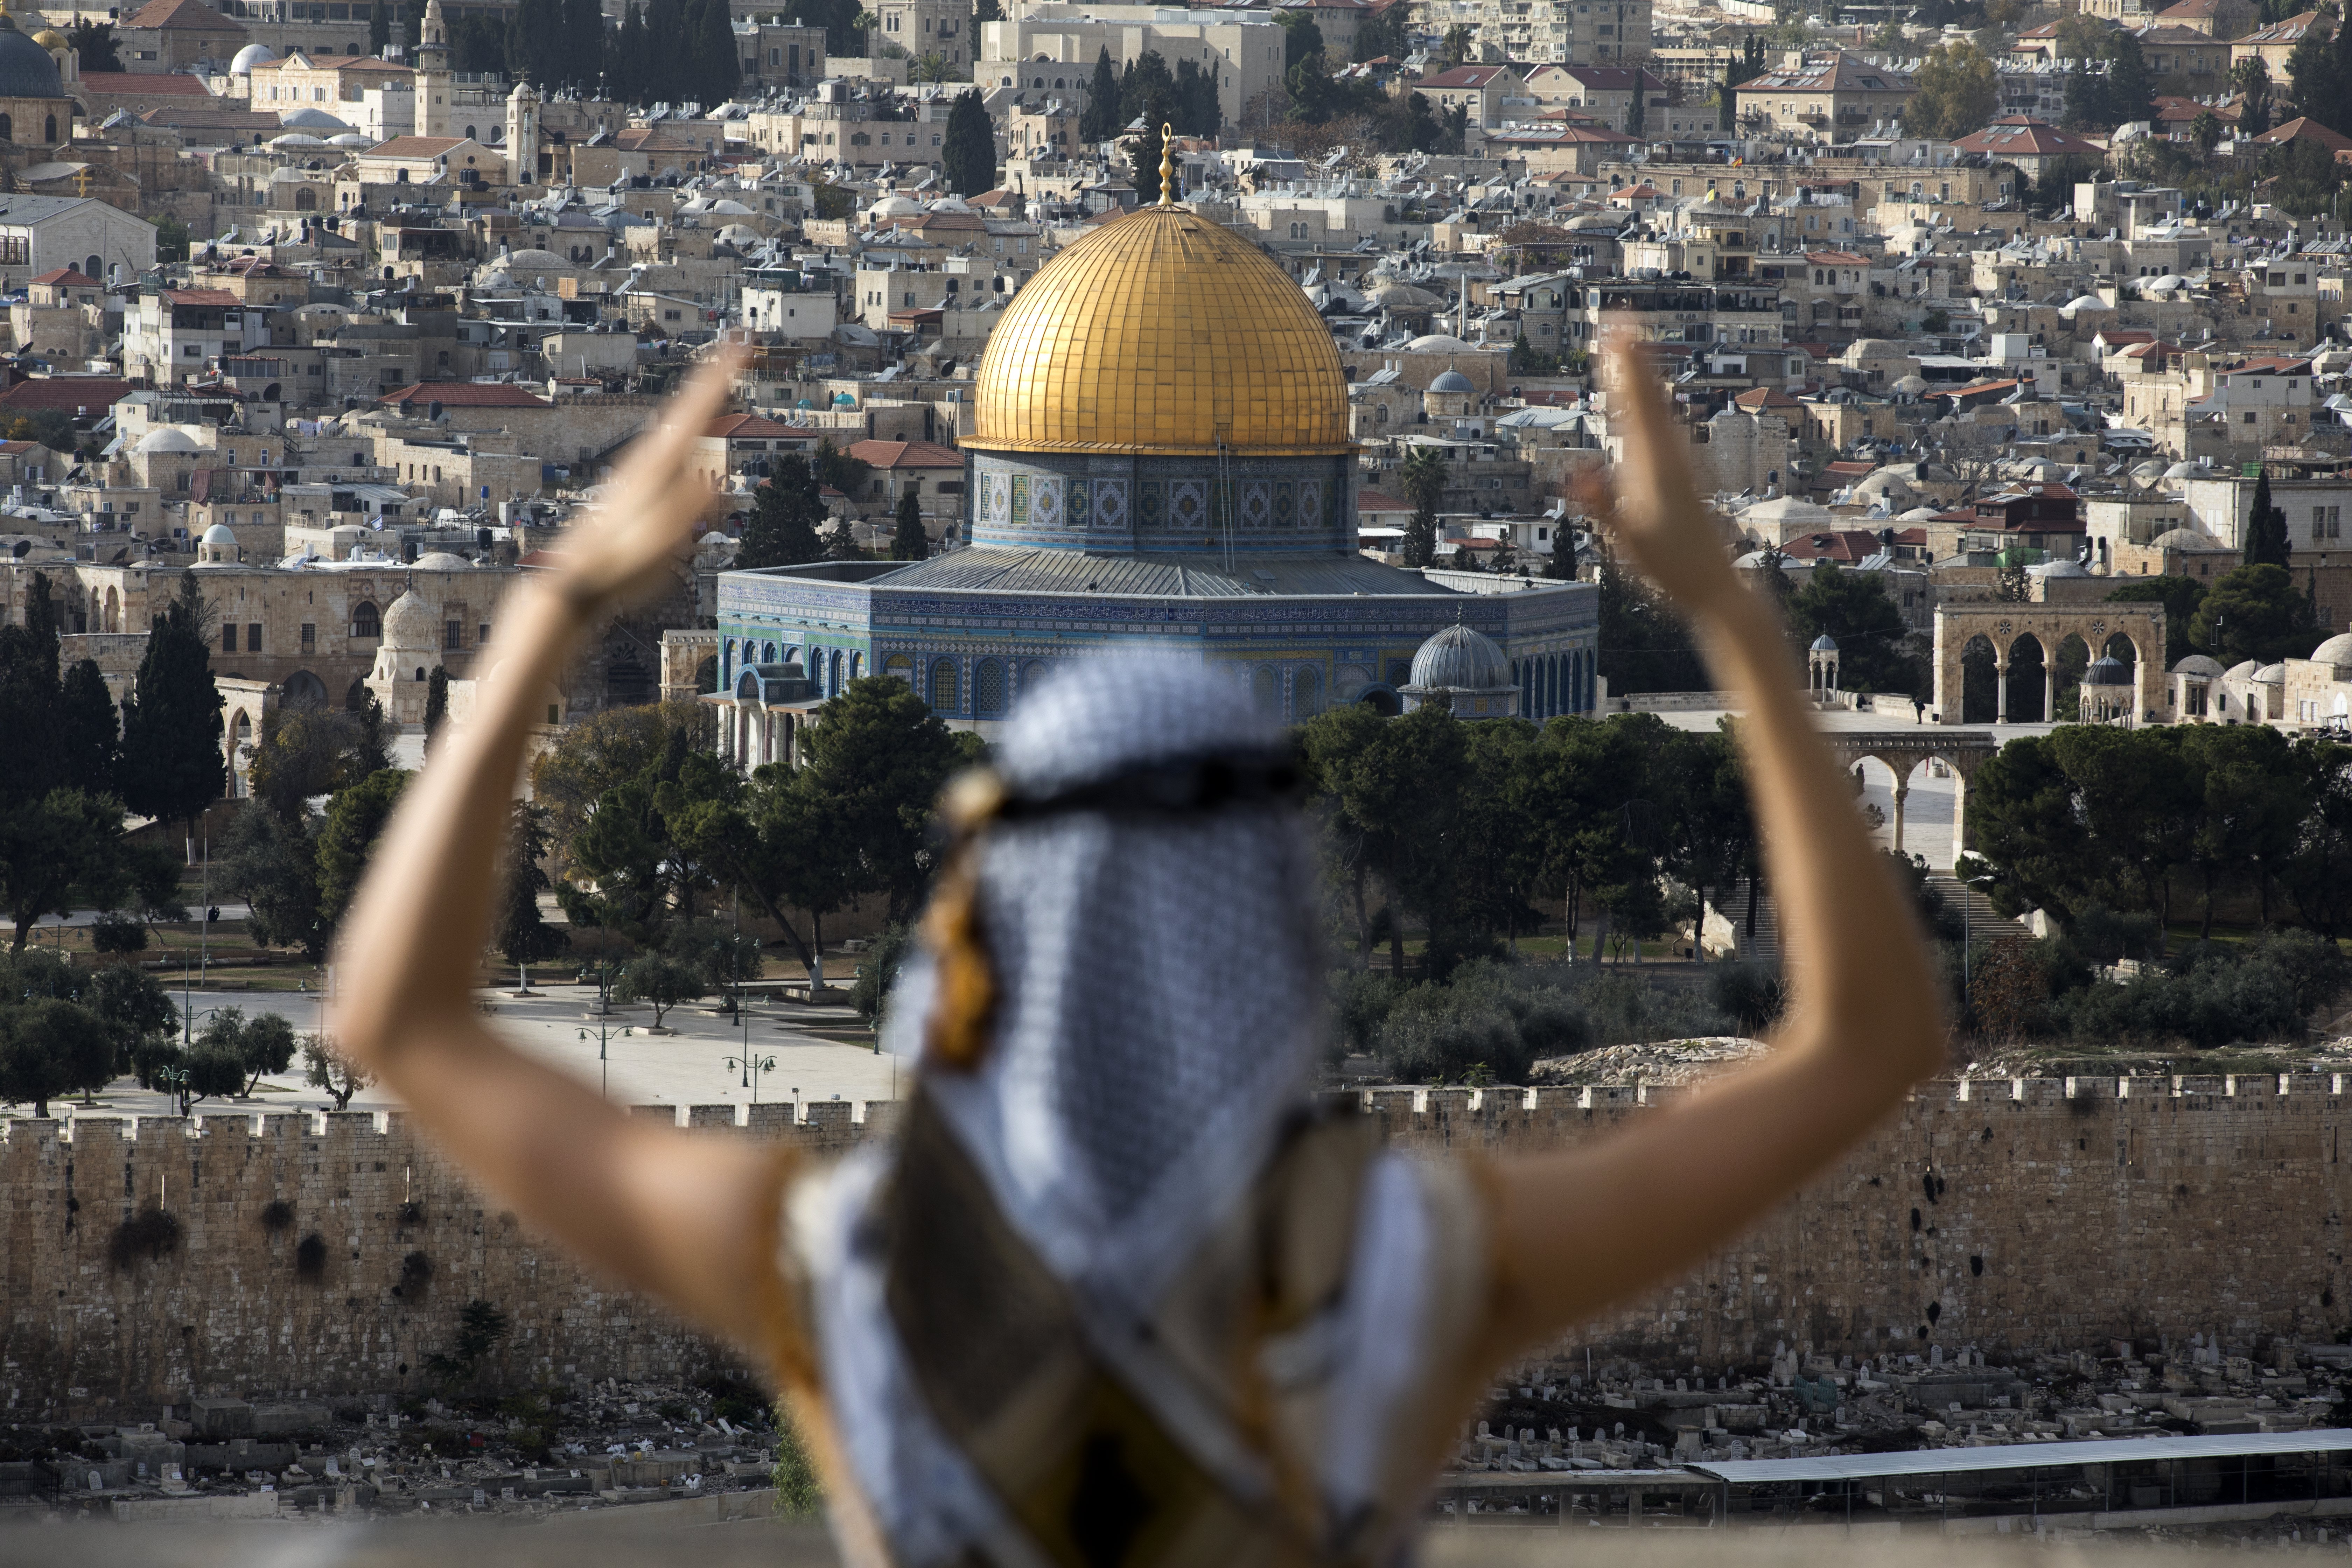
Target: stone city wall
[[2037, 1211]]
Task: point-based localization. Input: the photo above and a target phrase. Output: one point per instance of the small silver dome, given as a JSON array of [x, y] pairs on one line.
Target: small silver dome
[[1460, 659], [2106, 671], [1825, 643], [1453, 381]]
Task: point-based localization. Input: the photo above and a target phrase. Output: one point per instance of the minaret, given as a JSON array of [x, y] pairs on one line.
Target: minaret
[[432, 65], [523, 135]]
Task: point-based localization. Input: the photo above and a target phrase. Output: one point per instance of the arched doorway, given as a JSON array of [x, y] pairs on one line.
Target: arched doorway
[[2066, 678], [1979, 682], [1382, 700], [2029, 668], [305, 692]]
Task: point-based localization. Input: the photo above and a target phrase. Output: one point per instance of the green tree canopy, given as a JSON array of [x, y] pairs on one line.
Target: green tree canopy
[[356, 818], [1957, 92], [1876, 648], [2255, 612], [785, 511]]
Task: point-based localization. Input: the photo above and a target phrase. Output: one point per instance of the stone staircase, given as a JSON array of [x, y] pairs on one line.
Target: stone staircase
[[1984, 921]]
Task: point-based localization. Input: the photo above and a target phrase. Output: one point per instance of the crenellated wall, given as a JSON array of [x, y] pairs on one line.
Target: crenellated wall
[[2062, 1213]]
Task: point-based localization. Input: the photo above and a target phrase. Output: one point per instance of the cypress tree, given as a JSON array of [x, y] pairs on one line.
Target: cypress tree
[[437, 703], [584, 32], [664, 47], [1146, 151], [1099, 121], [29, 697], [718, 68], [379, 29], [2265, 541], [908, 540], [172, 763], [86, 734], [969, 156]]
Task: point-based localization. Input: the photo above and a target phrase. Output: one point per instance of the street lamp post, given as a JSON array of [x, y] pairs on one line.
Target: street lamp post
[[752, 1068], [604, 1071]]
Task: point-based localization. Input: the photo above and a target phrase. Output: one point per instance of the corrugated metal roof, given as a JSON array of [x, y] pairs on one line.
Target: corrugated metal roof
[[985, 569], [2027, 1455]]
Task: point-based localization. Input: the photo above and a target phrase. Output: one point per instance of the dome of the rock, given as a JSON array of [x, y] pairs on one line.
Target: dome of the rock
[[1166, 333]]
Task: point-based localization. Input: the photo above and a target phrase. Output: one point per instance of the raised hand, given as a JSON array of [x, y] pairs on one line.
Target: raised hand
[[1649, 505], [621, 547]]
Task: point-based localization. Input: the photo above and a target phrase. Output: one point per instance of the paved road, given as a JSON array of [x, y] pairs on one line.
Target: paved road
[[688, 1067]]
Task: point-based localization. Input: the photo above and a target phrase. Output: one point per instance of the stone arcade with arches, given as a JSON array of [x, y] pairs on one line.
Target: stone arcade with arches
[[1160, 463], [2131, 633], [1902, 753]]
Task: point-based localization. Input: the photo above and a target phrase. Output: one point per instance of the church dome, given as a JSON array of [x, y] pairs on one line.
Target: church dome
[[219, 533], [411, 624], [1453, 381], [26, 69], [1460, 659], [1166, 333], [50, 38]]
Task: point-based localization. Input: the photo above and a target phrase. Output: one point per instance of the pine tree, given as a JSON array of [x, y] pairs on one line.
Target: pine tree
[[908, 540], [1099, 120], [172, 763], [782, 529], [969, 157], [87, 734], [840, 543]]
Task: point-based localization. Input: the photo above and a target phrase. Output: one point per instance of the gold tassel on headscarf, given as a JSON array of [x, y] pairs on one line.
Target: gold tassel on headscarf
[[957, 1033]]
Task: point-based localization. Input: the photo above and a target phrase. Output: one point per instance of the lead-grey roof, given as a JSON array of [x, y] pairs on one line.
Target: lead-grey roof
[[991, 569], [2026, 1455]]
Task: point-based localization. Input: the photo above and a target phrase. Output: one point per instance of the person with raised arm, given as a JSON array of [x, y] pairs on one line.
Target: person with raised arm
[[1114, 1292]]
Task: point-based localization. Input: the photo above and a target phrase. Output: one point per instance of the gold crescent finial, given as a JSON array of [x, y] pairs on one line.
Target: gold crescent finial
[[1167, 163]]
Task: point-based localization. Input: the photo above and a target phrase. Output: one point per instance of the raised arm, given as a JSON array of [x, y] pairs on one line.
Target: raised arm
[[686, 1218], [1583, 1228]]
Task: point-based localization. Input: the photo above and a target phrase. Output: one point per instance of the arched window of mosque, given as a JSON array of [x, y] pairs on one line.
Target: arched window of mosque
[[1307, 693], [943, 686], [857, 666], [988, 690], [1032, 673], [834, 687], [1265, 688], [366, 620], [899, 665], [768, 653]]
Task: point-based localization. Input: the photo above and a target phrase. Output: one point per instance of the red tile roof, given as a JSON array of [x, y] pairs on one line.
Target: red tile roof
[[201, 296], [905, 454], [67, 277], [749, 427]]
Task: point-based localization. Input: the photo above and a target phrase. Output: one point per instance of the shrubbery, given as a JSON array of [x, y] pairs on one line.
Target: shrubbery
[[1494, 1021]]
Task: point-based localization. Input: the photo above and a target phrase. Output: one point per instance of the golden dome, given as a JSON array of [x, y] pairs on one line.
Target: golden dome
[[1161, 333], [50, 38]]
